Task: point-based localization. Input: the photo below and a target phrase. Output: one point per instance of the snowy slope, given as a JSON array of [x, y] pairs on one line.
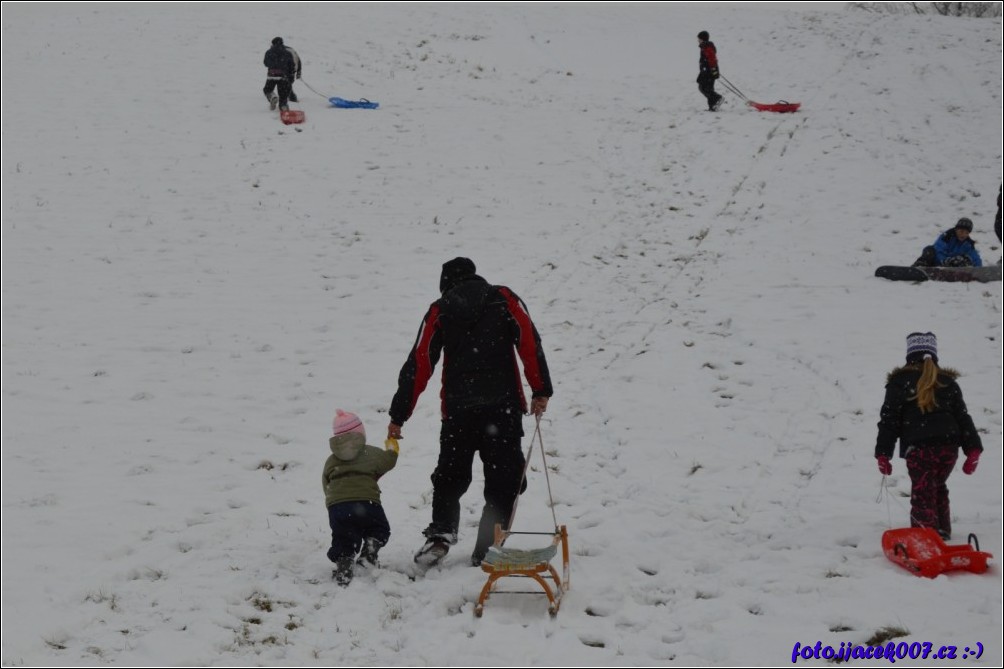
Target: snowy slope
[[190, 289]]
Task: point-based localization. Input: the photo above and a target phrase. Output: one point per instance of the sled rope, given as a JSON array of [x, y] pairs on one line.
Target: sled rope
[[885, 490], [730, 87], [547, 477], [312, 88]]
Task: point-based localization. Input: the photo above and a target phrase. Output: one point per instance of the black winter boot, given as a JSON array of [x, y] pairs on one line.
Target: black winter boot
[[368, 555], [342, 573]]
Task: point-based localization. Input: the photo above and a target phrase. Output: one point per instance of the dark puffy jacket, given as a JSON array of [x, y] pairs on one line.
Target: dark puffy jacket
[[479, 329], [901, 418], [280, 62]]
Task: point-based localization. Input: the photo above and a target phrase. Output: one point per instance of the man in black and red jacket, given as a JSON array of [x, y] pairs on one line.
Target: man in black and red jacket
[[480, 329], [709, 70]]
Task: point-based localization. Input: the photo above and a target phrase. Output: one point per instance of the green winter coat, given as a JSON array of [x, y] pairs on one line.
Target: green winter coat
[[352, 469]]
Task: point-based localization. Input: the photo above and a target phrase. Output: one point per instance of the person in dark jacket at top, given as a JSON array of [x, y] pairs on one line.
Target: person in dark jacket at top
[[925, 411], [708, 70], [282, 70], [952, 248], [480, 329]]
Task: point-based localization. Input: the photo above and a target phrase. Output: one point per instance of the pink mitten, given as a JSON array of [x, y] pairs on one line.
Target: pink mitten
[[885, 467], [969, 466]]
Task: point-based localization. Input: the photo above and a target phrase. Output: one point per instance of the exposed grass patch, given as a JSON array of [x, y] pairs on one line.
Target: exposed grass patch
[[886, 634], [261, 602]]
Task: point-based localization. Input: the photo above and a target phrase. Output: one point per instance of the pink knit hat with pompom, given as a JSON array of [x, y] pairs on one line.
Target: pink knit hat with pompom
[[347, 422]]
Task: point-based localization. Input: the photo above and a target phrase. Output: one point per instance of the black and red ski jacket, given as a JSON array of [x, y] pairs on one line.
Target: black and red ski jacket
[[479, 329], [709, 56]]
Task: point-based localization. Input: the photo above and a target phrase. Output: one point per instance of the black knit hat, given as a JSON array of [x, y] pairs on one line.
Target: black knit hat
[[965, 224], [703, 35], [276, 41], [454, 271]]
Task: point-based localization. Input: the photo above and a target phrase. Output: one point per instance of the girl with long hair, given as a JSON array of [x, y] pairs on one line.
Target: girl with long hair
[[925, 411]]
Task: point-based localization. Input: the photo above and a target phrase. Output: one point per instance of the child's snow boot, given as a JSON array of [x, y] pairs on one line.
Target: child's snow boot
[[368, 555], [342, 573]]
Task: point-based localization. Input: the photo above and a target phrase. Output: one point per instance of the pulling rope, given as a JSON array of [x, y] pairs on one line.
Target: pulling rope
[[312, 88], [730, 87], [547, 475], [526, 466], [886, 490]]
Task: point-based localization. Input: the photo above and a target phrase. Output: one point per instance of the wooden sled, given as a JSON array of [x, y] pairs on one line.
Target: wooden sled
[[921, 551], [501, 562]]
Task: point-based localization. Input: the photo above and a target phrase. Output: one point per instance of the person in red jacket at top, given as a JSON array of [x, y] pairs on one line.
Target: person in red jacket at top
[[479, 329], [709, 71]]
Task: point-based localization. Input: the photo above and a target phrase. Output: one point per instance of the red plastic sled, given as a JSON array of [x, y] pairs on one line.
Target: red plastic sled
[[289, 116], [781, 106], [921, 551]]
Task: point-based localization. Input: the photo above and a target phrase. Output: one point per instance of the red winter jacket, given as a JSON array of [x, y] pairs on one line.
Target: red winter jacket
[[480, 329], [709, 56]]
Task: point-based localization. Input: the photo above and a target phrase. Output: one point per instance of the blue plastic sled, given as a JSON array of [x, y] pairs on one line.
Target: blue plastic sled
[[363, 103]]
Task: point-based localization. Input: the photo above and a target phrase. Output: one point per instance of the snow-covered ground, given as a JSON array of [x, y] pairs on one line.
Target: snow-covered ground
[[190, 289]]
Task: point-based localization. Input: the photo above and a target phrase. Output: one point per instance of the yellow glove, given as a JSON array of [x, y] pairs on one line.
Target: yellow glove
[[391, 445]]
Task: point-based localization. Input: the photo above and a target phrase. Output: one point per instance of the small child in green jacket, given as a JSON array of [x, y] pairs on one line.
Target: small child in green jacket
[[359, 526]]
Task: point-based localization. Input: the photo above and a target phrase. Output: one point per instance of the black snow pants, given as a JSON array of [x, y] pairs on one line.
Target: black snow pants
[[706, 84], [494, 433], [284, 86]]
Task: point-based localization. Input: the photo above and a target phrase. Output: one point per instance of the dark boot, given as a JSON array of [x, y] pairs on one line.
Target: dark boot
[[436, 546], [342, 573], [486, 532], [432, 551], [928, 258], [368, 555]]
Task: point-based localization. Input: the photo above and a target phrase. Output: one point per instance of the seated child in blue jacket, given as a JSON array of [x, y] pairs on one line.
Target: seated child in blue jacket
[[953, 248], [359, 526]]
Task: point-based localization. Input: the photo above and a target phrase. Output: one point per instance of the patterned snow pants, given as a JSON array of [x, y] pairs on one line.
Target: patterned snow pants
[[929, 468]]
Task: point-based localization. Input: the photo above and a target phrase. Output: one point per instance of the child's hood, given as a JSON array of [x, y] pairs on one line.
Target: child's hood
[[347, 446]]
